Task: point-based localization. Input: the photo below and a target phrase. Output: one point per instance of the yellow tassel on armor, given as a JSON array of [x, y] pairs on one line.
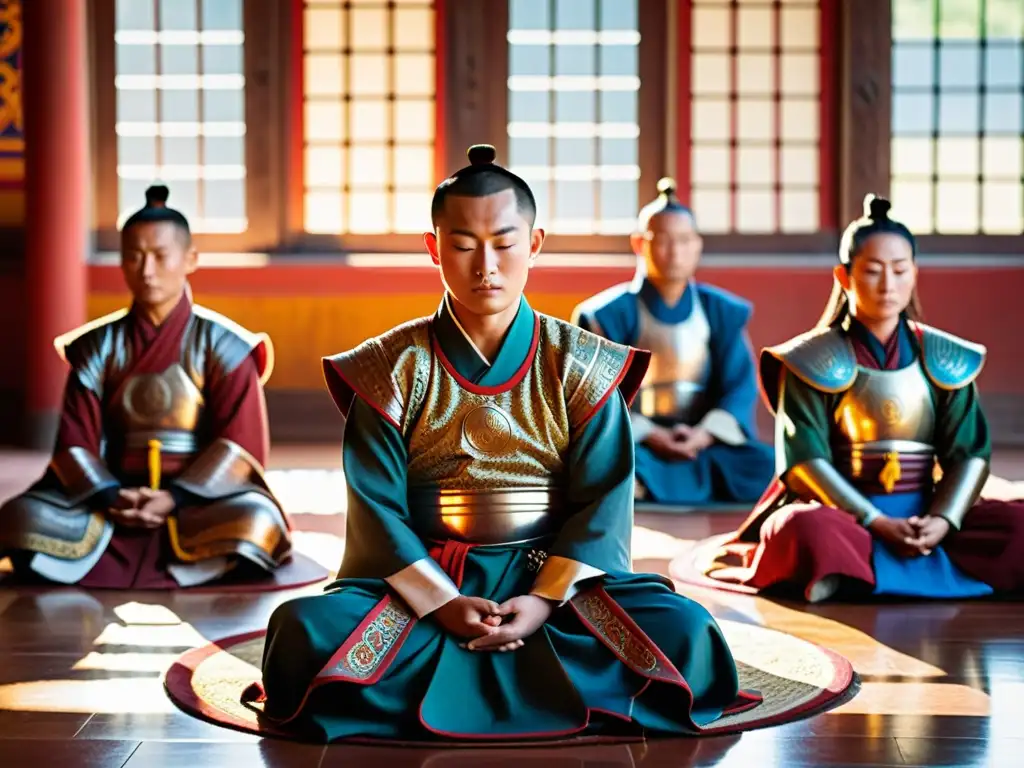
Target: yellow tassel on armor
[[890, 474], [154, 464], [154, 483]]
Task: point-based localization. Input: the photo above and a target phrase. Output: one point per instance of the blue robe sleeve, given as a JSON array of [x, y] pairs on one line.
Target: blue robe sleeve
[[379, 542], [596, 540], [732, 418]]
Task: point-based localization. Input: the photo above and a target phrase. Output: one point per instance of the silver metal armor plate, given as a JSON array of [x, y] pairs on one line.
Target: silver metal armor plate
[[677, 378]]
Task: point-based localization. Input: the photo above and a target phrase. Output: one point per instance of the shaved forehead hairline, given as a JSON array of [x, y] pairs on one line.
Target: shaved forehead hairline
[[176, 233], [459, 228], [664, 216]]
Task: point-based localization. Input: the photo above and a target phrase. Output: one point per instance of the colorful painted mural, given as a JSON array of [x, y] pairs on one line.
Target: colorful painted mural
[[12, 128]]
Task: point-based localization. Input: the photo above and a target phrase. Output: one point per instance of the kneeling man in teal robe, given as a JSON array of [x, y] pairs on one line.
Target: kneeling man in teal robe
[[486, 590]]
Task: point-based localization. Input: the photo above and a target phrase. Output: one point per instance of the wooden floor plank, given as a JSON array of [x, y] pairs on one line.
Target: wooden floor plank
[[42, 753], [200, 754]]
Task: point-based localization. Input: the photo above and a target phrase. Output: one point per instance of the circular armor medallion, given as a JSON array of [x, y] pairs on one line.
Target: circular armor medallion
[[148, 397], [892, 411], [487, 429]]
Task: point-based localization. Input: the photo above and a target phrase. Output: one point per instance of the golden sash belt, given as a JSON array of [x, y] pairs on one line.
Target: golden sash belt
[[503, 516]]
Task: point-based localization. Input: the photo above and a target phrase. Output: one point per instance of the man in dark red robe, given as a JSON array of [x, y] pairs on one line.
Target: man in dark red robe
[[156, 479]]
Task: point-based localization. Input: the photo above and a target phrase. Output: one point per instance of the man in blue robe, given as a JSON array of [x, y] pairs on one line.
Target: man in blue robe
[[693, 421], [486, 591]]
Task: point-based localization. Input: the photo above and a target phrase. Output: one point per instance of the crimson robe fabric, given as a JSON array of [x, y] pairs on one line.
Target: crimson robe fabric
[[234, 409]]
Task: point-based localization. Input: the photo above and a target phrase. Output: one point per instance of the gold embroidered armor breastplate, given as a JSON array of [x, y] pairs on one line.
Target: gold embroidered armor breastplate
[[680, 364], [485, 465]]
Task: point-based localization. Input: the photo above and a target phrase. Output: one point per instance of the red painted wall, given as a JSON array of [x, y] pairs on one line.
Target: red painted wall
[[983, 304]]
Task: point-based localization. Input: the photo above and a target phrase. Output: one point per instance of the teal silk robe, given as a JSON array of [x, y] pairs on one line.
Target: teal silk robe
[[622, 652]]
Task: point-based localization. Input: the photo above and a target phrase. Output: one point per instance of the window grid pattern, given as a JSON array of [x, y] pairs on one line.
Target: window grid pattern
[[957, 150], [573, 111], [180, 109], [755, 113], [369, 116]]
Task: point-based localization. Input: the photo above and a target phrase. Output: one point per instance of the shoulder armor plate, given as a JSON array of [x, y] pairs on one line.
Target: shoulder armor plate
[[949, 361], [822, 358], [91, 349], [389, 372], [592, 367], [214, 342]]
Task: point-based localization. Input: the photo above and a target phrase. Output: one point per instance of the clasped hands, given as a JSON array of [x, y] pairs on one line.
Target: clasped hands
[[913, 536], [678, 443], [488, 626], [141, 508]]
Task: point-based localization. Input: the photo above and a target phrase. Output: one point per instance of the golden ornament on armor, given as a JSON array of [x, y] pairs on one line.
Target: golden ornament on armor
[[892, 412], [890, 474], [149, 397], [487, 429]]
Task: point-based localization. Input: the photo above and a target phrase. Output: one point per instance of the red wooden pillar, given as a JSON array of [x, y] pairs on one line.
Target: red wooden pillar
[[57, 197]]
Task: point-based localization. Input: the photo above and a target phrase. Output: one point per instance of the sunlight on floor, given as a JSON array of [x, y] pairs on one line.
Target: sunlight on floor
[[917, 699], [129, 695], [325, 548], [146, 626], [649, 544], [126, 662], [309, 491], [868, 655]]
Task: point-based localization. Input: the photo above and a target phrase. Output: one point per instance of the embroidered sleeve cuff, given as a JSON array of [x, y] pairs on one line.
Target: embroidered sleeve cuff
[[559, 578], [642, 427], [423, 586], [958, 490], [723, 426]]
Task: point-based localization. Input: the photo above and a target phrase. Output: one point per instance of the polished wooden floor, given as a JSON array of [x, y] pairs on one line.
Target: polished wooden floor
[[80, 674]]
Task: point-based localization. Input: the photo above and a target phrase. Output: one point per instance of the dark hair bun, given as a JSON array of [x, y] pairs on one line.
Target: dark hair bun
[[876, 208], [482, 154], [667, 187], [156, 196]]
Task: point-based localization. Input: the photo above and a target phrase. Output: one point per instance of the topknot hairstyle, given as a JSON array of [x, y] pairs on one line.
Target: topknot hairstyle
[[665, 202], [156, 210], [483, 177]]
